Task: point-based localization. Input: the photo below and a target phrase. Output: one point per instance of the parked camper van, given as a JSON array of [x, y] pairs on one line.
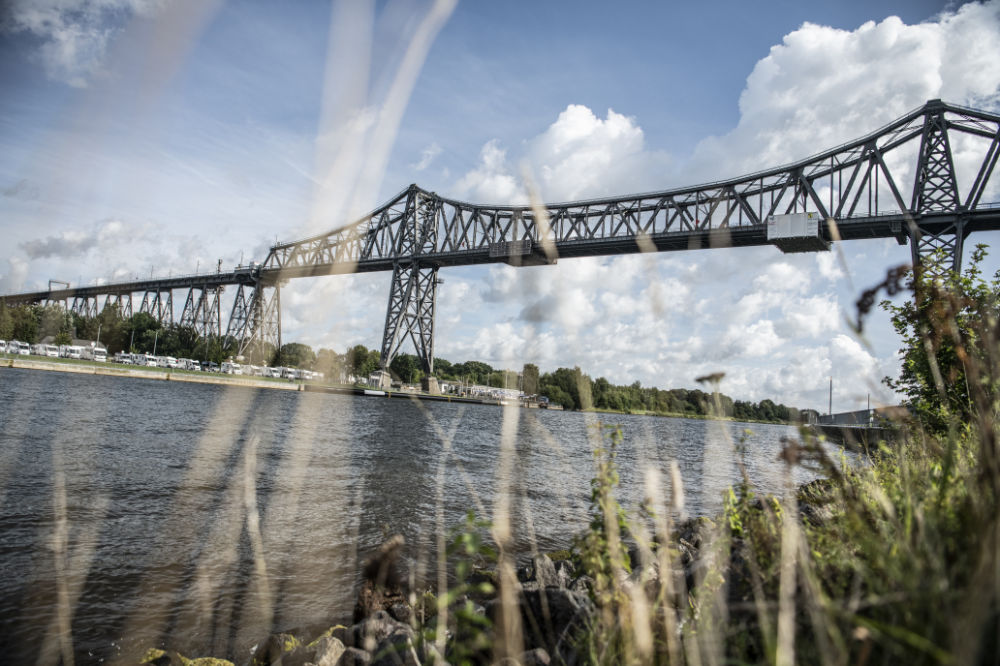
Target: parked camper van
[[51, 351], [99, 354]]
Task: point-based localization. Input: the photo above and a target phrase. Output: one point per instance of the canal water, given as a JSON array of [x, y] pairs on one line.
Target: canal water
[[138, 513]]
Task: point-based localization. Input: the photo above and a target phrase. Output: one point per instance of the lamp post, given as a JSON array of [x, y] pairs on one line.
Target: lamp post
[[155, 336]]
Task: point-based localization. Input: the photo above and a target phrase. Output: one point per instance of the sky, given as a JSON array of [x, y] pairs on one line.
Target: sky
[[146, 137]]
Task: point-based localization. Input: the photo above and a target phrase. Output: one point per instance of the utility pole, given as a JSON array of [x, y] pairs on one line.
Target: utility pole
[[830, 408]]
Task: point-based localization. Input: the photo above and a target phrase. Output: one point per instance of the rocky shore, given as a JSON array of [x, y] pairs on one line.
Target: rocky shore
[[391, 626], [555, 608]]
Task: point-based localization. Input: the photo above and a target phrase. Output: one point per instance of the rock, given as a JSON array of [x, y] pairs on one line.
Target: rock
[[566, 572], [401, 611], [381, 587], [354, 657], [162, 658], [583, 584], [274, 648], [171, 658], [396, 650], [544, 572], [551, 618], [536, 657], [326, 651], [369, 633]]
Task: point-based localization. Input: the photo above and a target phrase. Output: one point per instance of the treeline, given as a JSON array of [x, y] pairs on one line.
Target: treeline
[[568, 387], [140, 333], [573, 389]]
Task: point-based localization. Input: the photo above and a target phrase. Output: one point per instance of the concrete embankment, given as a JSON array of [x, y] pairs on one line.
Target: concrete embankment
[[162, 375], [225, 380]]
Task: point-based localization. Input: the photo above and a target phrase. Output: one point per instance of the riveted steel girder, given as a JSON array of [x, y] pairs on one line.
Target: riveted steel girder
[[860, 185]]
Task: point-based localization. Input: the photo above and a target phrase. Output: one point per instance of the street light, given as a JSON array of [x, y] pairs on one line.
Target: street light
[[155, 336]]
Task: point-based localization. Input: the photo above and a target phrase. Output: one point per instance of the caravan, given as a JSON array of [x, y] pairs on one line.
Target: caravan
[[99, 354]]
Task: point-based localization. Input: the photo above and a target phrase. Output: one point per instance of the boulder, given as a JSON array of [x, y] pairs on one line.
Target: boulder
[[536, 657], [544, 572], [372, 631], [328, 651], [396, 649], [354, 657], [551, 618], [274, 648], [566, 572], [401, 611]]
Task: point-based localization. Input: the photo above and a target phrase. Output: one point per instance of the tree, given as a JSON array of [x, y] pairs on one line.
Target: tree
[[296, 355], [53, 320], [529, 379], [330, 363], [24, 324], [406, 367], [949, 332]]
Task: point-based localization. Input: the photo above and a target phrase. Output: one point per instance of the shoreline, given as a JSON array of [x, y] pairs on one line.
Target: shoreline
[[110, 370], [851, 437]]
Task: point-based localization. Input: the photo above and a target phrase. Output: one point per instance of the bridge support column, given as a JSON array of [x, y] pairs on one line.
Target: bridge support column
[[411, 313], [936, 245], [255, 321], [203, 312], [938, 252]]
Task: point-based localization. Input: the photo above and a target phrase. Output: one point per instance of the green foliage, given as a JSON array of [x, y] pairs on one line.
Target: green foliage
[[529, 379], [948, 337], [361, 362], [471, 632], [406, 367], [602, 549], [330, 363], [295, 355]]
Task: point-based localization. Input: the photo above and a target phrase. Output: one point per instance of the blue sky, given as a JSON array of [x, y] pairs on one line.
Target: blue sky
[[140, 136]]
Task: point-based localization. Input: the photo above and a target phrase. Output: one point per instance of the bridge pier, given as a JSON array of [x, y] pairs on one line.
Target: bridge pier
[[255, 320], [936, 246], [410, 313]]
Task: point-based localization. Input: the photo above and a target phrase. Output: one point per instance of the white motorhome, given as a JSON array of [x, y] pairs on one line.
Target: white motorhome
[[51, 351], [231, 368], [38, 349], [99, 354], [70, 351]]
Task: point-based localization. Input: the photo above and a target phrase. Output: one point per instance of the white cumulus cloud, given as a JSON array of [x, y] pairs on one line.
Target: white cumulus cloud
[[822, 86]]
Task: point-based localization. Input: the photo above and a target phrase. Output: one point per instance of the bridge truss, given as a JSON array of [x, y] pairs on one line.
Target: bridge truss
[[902, 181]]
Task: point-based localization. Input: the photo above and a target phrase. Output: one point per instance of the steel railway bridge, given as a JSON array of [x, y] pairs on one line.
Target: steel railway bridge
[[901, 181]]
